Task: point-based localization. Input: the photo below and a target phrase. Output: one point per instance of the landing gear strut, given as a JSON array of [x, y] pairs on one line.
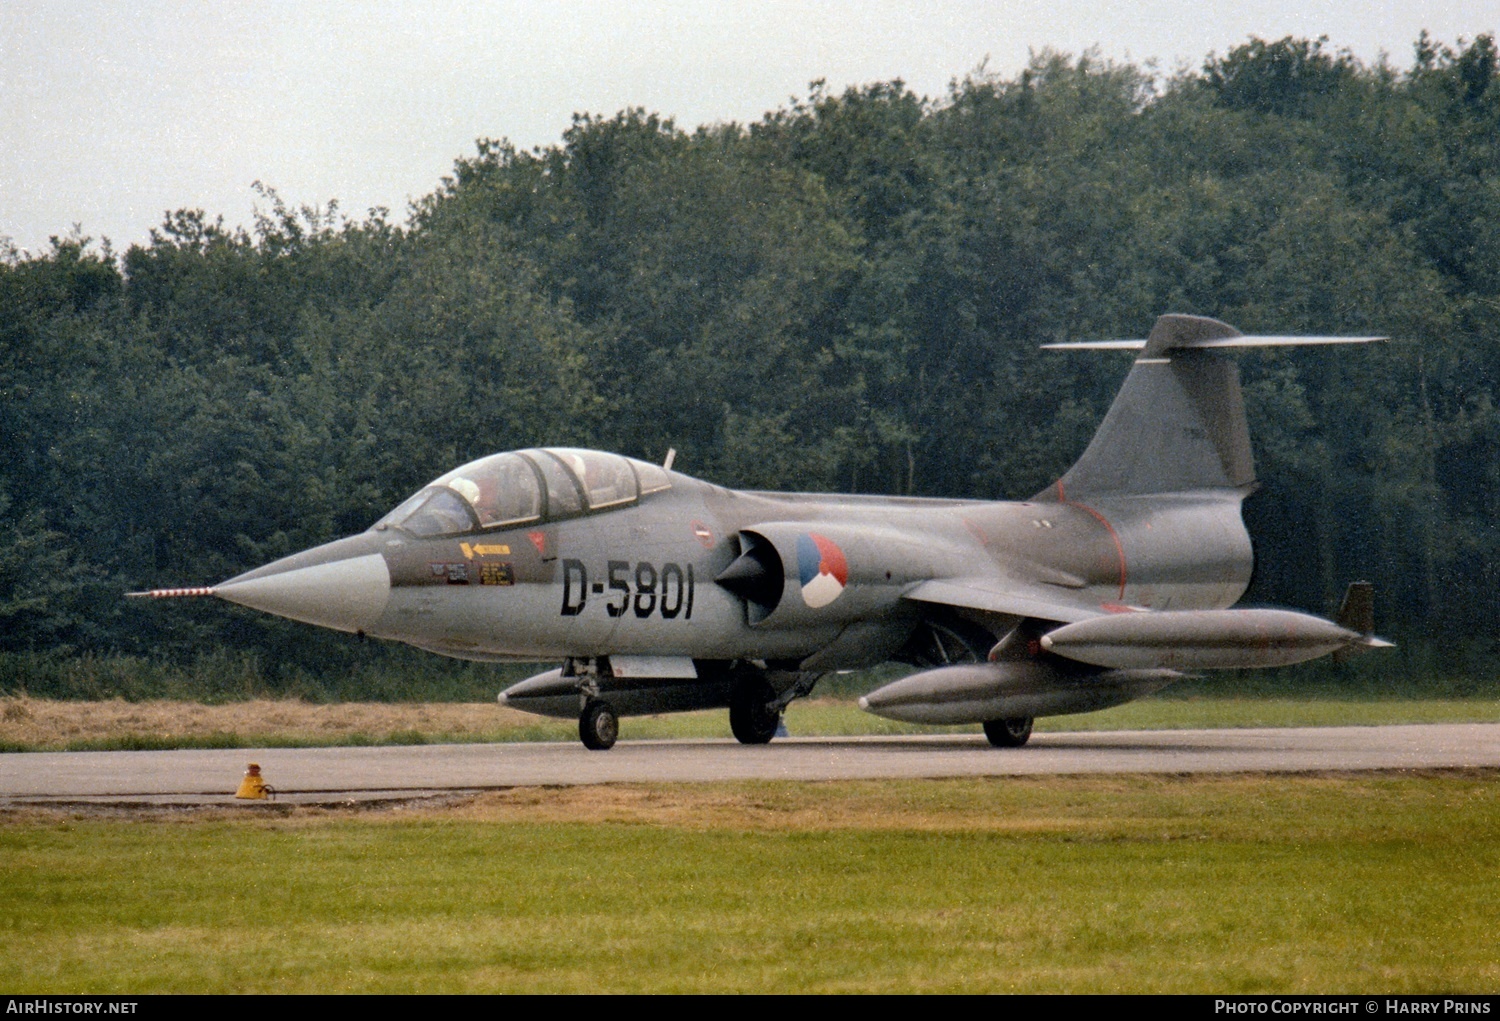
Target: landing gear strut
[[1012, 733], [598, 726]]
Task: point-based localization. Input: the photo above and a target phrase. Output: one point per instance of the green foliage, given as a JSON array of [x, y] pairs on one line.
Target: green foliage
[[1287, 77], [847, 294], [370, 673], [1282, 885], [37, 577]]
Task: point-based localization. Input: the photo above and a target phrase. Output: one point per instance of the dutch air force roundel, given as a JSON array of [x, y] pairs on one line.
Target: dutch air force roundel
[[821, 568]]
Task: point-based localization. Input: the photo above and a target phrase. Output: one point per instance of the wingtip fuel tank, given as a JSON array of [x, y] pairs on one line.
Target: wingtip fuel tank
[[1201, 639]]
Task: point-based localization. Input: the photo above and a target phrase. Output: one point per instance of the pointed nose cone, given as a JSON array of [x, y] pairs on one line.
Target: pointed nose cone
[[343, 592]]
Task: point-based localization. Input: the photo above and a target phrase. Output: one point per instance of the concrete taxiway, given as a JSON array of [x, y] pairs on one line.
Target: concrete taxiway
[[345, 775]]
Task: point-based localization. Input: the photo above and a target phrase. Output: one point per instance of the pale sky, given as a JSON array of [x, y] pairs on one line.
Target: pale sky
[[111, 113]]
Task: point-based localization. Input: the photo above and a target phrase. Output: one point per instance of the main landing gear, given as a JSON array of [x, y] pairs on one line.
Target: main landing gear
[[753, 713], [1012, 733], [755, 703], [598, 726]]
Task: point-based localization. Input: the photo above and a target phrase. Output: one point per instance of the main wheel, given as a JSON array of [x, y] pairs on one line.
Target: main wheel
[[750, 714], [1012, 733], [598, 726]]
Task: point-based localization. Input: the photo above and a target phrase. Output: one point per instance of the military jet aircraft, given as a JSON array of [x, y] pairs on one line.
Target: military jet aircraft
[[658, 592]]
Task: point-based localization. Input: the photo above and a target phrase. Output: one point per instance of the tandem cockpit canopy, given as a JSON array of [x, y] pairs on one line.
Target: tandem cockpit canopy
[[524, 487]]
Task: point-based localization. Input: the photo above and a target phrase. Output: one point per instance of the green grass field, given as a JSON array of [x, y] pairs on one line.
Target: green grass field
[[1226, 885]]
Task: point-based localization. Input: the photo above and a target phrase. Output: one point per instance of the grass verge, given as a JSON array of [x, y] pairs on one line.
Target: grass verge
[[28, 724]]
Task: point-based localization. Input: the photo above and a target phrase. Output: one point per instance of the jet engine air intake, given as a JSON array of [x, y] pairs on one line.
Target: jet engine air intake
[[796, 574], [756, 576]]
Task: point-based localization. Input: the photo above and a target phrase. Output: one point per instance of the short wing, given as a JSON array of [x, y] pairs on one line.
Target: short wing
[[1042, 603]]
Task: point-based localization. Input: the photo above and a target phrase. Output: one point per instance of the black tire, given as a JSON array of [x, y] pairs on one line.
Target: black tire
[[1011, 733], [598, 726], [751, 718]]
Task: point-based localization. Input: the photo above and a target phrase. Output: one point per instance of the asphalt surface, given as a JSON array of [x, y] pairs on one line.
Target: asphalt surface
[[353, 775]]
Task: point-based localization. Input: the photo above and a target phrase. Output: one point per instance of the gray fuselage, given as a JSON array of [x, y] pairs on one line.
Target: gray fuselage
[[639, 579]]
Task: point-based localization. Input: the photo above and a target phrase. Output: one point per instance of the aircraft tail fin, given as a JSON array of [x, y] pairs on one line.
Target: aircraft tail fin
[[1178, 422]]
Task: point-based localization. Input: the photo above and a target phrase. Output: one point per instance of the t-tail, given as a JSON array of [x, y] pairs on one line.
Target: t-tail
[[1168, 468], [1163, 478], [1178, 422]]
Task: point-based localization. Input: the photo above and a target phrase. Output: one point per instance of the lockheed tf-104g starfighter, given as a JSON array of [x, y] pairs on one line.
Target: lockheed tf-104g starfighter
[[658, 592]]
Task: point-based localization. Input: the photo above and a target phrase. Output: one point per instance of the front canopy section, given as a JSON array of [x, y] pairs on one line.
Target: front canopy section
[[525, 487], [500, 490]]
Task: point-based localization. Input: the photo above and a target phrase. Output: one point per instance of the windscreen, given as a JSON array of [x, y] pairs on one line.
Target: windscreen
[[442, 513]]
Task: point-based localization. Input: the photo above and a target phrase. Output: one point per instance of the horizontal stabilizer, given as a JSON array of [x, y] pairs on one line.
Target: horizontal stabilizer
[[1244, 340], [1199, 333]]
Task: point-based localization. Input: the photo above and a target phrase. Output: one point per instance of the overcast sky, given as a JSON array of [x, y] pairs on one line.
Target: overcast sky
[[111, 113]]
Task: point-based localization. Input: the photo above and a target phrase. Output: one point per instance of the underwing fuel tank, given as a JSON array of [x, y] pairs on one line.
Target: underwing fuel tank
[[977, 692], [1202, 639]]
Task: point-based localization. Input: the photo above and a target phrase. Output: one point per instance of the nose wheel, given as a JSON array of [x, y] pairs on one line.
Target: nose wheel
[[1012, 733], [598, 726]]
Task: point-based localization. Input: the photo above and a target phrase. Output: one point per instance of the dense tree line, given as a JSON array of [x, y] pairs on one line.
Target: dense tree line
[[848, 294]]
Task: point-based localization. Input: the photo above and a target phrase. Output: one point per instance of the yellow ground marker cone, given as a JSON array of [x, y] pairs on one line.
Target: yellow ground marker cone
[[254, 785]]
